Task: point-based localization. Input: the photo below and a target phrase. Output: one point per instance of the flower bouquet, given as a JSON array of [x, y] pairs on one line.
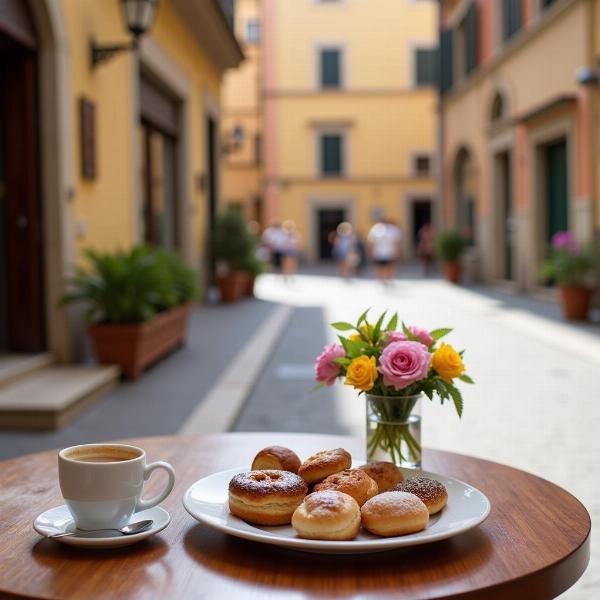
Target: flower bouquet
[[393, 368]]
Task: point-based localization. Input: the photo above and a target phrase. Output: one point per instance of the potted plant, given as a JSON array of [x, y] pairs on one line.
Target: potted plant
[[572, 269], [450, 246], [395, 368], [138, 304], [231, 247], [253, 267]]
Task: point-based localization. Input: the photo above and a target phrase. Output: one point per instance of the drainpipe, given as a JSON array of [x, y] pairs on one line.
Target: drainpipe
[[439, 209]]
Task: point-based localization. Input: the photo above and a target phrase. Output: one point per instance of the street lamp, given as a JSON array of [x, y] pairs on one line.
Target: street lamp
[[138, 16]]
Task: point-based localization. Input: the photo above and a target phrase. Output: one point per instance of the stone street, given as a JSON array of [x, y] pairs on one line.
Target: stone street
[[535, 405]]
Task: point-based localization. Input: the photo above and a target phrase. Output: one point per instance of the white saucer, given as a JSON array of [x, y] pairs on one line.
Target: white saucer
[[59, 520]]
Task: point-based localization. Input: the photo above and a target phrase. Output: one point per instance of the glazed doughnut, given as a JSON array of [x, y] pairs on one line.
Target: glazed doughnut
[[322, 464], [385, 474], [431, 492], [276, 457], [327, 515], [267, 497], [354, 482], [394, 513]]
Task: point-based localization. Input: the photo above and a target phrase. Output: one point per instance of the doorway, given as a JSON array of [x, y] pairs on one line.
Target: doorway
[[556, 188], [421, 215], [327, 221], [211, 189], [22, 327], [504, 170]]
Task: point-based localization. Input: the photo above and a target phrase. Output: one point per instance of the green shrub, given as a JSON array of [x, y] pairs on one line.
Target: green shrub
[[567, 263], [450, 245], [232, 244], [131, 286]]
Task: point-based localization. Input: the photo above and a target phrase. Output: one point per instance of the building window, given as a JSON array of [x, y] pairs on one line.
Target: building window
[[258, 149], [422, 165], [330, 66], [466, 43], [446, 60], [253, 31], [331, 148], [511, 18], [426, 66], [547, 3]]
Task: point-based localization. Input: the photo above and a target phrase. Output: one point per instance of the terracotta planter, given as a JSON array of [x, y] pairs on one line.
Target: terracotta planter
[[452, 271], [232, 286], [251, 278], [575, 301], [134, 347]]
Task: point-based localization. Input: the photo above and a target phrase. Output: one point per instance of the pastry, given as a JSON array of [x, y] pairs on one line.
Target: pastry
[[394, 513], [267, 497], [327, 515], [385, 474], [322, 464], [276, 457], [431, 492], [354, 482]]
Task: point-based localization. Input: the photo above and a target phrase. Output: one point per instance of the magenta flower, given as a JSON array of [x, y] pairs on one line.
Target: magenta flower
[[422, 335], [326, 370], [404, 363], [564, 240], [394, 336]]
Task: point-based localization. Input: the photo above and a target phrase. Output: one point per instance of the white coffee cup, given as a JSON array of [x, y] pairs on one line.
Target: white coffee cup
[[102, 483]]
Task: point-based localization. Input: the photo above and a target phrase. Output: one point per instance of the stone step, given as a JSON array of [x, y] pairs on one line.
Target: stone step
[[17, 366], [51, 397]]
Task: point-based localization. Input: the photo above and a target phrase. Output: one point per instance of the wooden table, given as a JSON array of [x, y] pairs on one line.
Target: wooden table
[[535, 543]]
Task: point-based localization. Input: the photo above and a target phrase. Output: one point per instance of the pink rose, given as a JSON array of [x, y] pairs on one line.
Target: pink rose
[[403, 363], [394, 336], [326, 370], [422, 335]]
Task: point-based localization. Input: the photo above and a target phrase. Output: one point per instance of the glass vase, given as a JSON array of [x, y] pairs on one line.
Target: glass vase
[[394, 429]]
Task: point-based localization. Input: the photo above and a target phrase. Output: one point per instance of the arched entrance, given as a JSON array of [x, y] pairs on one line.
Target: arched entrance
[[465, 194]]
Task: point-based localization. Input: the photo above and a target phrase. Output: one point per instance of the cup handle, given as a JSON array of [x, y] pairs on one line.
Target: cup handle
[[144, 504]]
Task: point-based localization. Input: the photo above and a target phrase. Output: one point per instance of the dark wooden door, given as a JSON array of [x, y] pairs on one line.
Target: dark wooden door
[[421, 216], [557, 202], [505, 164], [22, 226], [211, 189], [328, 221]]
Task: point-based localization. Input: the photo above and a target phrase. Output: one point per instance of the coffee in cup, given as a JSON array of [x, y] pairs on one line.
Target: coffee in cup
[[102, 483]]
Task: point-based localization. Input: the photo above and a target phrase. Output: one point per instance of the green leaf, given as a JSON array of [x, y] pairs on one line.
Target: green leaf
[[457, 398], [317, 387], [409, 335], [393, 323], [438, 334], [342, 326], [342, 361], [355, 348], [362, 317], [466, 379], [377, 329], [344, 341]]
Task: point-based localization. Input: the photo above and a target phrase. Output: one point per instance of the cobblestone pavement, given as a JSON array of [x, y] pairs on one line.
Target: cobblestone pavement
[[161, 401], [535, 406]]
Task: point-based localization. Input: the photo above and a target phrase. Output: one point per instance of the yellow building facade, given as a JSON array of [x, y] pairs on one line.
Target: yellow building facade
[[126, 150], [348, 115]]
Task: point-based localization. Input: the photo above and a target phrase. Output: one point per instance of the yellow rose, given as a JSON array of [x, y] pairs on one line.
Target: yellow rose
[[447, 362], [367, 330], [362, 373]]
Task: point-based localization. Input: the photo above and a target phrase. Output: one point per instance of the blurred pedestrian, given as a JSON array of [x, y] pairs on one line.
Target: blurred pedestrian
[[425, 252], [384, 243], [345, 250], [274, 240], [290, 249]]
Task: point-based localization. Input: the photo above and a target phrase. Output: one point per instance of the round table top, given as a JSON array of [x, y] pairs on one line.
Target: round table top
[[534, 544]]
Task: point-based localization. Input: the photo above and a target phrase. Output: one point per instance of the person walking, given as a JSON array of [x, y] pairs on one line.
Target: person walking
[[384, 243], [425, 237], [345, 250], [290, 249], [274, 240]]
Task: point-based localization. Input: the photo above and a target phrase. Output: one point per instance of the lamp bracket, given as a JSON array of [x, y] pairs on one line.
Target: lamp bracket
[[100, 54]]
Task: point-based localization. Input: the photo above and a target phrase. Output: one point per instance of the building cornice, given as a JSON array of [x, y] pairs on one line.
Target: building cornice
[[349, 93], [513, 46], [358, 179]]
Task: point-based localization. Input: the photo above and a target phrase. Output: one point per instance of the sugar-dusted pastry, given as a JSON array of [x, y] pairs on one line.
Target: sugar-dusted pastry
[[322, 464], [327, 515], [394, 513], [266, 497], [385, 474], [354, 482], [431, 492], [276, 457]]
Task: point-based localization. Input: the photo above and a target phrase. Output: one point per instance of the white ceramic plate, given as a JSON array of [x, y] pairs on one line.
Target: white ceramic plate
[[59, 520], [206, 501]]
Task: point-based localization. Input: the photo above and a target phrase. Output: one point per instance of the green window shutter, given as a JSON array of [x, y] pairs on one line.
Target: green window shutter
[[471, 38], [446, 60], [330, 68], [512, 13], [426, 66], [331, 154]]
